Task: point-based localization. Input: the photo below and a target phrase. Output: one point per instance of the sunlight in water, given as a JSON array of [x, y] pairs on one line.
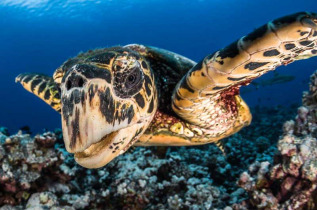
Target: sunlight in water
[[31, 4], [25, 3], [54, 8]]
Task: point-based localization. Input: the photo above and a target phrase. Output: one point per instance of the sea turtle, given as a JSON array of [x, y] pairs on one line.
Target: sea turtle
[[113, 98]]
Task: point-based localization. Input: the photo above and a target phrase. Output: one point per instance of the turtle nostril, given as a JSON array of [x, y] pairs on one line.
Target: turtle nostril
[[81, 82], [68, 85], [74, 81]]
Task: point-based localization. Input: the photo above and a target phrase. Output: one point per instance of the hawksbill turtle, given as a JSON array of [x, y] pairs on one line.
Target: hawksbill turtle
[[113, 98]]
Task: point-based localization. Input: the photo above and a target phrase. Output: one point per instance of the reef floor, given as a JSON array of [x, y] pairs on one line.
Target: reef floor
[[272, 164]]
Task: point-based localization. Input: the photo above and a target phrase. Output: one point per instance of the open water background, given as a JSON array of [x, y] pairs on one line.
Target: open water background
[[39, 35]]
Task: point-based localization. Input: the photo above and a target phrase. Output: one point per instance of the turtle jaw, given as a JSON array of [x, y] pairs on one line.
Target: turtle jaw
[[92, 112], [92, 139], [110, 146], [97, 125]]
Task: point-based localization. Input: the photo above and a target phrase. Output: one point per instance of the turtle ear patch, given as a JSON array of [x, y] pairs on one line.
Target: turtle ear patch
[[140, 100], [151, 106], [147, 84], [42, 86]]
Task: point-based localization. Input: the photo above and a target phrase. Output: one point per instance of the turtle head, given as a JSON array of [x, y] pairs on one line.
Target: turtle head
[[108, 99]]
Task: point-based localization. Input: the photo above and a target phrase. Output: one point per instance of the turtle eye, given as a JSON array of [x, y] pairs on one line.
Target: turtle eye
[[128, 82], [133, 78]]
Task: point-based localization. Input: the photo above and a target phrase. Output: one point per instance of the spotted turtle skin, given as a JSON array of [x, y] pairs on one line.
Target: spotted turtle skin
[[113, 98]]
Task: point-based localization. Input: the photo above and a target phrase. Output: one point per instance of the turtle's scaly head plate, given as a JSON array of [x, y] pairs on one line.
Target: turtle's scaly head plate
[[108, 99]]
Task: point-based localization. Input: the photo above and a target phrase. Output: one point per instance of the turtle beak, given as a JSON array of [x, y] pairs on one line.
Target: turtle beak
[[97, 126], [109, 147]]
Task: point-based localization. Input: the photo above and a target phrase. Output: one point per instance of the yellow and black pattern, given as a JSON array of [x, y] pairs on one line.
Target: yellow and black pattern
[[168, 69], [42, 86], [105, 91], [208, 95], [167, 130], [112, 98], [170, 130]]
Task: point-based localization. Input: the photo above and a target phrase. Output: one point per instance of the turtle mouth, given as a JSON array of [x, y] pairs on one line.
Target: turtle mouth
[[110, 146]]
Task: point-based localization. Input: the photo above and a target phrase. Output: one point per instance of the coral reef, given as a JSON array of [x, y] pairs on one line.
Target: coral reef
[[37, 172], [269, 165], [289, 182], [34, 174], [22, 164]]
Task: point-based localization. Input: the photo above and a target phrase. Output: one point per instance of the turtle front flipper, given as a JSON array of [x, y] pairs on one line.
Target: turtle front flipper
[[42, 86], [208, 95]]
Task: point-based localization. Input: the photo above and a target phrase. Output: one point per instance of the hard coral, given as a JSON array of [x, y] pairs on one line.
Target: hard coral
[[291, 181], [47, 139], [152, 178], [22, 162]]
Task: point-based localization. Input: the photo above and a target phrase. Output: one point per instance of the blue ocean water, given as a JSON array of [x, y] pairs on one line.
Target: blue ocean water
[[39, 35]]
